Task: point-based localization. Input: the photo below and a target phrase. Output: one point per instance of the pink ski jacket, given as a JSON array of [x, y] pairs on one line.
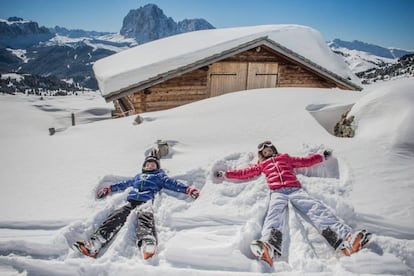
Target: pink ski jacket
[[279, 170]]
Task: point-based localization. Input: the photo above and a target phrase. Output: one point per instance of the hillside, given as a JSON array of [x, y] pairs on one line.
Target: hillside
[[372, 62], [402, 68]]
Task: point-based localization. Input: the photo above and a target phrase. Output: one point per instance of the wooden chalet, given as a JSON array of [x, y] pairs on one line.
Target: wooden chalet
[[257, 63]]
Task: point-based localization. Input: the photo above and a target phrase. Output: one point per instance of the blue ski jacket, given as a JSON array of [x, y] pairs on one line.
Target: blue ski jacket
[[146, 185]]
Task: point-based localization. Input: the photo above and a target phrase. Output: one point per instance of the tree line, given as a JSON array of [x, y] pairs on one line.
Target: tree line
[[36, 85]]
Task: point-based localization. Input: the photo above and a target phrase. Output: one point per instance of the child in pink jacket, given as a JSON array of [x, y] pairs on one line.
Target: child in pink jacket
[[284, 187]]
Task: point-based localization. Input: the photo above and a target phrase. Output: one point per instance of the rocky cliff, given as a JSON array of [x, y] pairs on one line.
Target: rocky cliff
[[150, 23]]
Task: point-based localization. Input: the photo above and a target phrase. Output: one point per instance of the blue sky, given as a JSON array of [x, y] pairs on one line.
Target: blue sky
[[387, 23]]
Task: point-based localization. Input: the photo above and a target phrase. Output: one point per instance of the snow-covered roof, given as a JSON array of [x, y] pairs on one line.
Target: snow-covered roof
[[154, 60]]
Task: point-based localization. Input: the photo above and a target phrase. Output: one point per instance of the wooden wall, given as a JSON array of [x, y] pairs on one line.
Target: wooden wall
[[296, 76], [290, 73], [124, 106], [195, 85], [178, 91]]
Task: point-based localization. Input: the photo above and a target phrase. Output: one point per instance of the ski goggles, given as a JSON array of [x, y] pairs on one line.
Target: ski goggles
[[266, 144]]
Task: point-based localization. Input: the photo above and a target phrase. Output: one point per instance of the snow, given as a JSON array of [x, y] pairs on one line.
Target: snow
[[20, 53], [14, 22], [12, 76], [117, 38], [112, 48], [48, 182], [111, 42], [64, 40], [360, 61], [149, 60]]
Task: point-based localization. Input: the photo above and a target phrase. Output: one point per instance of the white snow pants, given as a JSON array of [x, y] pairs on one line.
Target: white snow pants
[[319, 214]]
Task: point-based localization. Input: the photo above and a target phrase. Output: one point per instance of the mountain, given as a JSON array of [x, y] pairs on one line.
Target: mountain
[[361, 56], [18, 33], [150, 23], [404, 67], [26, 48], [389, 53], [190, 25], [372, 62], [67, 54], [76, 33], [62, 57]]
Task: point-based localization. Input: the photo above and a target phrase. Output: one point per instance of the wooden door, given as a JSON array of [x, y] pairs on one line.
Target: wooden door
[[262, 75], [227, 77]]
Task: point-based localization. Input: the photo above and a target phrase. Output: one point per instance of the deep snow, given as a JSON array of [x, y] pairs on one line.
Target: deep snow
[[48, 182]]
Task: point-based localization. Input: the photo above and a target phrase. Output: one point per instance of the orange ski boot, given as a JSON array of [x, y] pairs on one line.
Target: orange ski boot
[[263, 251], [148, 247], [86, 248], [355, 242]]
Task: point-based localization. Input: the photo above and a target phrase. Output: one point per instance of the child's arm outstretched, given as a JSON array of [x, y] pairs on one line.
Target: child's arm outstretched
[[241, 174], [119, 186]]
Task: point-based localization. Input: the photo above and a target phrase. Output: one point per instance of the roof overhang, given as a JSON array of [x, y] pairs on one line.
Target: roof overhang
[[261, 41]]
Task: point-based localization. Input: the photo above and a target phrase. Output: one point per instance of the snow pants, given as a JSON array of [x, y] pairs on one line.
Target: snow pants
[[115, 221], [277, 217]]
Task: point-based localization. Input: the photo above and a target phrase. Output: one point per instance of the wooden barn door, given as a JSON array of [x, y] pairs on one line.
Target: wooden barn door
[[262, 75], [227, 77]]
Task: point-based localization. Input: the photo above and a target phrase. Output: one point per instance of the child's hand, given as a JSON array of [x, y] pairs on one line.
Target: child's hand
[[219, 174], [193, 192], [103, 192], [327, 154]]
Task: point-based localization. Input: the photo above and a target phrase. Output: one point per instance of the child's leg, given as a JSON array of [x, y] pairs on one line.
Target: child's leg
[[146, 233], [328, 224], [113, 224], [145, 226], [106, 231], [276, 220], [145, 230]]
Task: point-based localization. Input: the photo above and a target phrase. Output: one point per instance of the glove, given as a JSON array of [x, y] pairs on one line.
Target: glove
[[219, 174], [327, 154], [193, 192], [103, 192]]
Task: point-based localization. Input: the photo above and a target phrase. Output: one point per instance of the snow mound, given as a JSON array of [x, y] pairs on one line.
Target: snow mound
[[386, 114]]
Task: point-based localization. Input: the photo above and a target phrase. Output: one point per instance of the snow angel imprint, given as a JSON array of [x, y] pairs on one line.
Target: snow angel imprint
[[284, 187]]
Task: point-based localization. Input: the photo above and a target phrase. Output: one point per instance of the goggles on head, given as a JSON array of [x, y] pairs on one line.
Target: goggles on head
[[264, 144]]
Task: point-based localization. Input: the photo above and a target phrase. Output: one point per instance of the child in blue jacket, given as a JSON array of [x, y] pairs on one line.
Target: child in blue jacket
[[144, 187]]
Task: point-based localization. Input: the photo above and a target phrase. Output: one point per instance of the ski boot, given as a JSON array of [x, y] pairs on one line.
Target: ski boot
[[88, 248], [264, 251], [355, 242], [148, 247]]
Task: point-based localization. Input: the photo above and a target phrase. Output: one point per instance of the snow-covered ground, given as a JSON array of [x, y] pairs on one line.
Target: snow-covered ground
[[48, 182]]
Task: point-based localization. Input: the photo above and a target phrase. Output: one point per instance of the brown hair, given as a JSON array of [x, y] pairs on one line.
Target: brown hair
[[265, 144]]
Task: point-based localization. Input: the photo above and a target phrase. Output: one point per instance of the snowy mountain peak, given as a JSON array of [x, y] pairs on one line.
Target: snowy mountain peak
[[19, 33], [15, 19], [361, 56], [376, 50], [149, 23]]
